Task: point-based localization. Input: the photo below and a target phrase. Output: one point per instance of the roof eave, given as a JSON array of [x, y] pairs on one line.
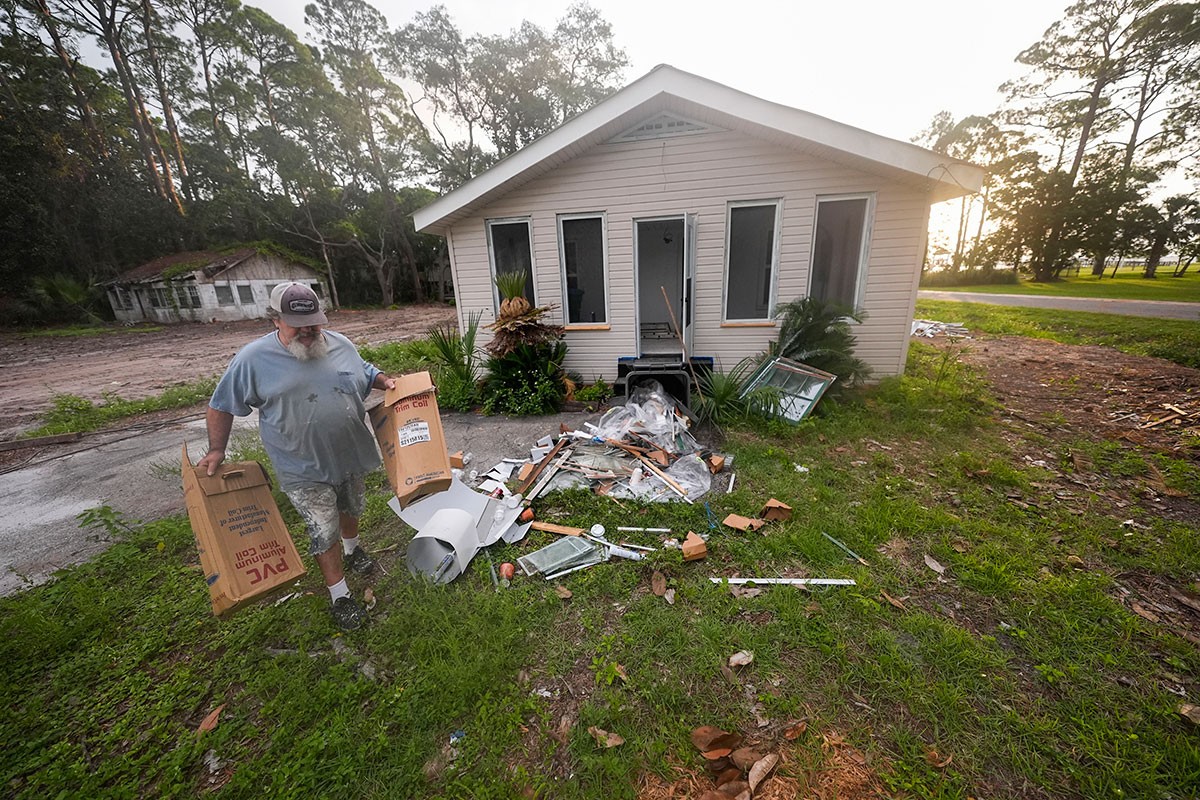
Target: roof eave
[[951, 177]]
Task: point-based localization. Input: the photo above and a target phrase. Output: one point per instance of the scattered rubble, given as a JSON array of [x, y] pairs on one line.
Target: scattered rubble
[[929, 328]]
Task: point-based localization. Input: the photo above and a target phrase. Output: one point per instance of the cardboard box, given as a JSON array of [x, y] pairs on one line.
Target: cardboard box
[[245, 549], [409, 429]]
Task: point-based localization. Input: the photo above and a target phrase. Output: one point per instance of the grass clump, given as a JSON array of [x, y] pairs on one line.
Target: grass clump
[[73, 414]]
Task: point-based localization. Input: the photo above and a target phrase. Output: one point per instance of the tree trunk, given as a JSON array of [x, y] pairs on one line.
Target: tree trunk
[[164, 98], [410, 260], [86, 113]]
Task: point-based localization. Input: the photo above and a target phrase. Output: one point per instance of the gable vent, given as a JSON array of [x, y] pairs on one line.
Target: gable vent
[[662, 126]]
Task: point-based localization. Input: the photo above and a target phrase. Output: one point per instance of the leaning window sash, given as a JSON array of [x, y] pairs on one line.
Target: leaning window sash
[[799, 386]]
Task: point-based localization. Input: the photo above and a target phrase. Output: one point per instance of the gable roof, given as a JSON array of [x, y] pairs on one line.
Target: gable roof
[[666, 88]]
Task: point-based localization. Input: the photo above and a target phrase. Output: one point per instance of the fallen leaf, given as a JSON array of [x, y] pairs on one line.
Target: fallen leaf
[[727, 776], [959, 546], [658, 584], [369, 599], [715, 753], [1143, 612], [795, 730], [761, 770], [1076, 560], [620, 670], [894, 601], [604, 738], [934, 759], [707, 737], [563, 592], [1190, 712], [669, 596], [745, 591], [729, 675], [745, 757], [210, 721], [934, 565], [735, 787], [1187, 601], [564, 728], [741, 658]]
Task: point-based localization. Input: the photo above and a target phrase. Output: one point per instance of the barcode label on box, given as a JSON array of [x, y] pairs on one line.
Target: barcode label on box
[[414, 433]]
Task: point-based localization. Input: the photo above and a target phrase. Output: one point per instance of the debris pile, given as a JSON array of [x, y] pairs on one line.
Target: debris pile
[[642, 450], [930, 328]]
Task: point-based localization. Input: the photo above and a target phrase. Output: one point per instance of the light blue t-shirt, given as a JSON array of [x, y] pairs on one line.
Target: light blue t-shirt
[[310, 413]]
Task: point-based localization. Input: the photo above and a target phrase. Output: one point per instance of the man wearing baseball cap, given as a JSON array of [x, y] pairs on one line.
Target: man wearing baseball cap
[[308, 385]]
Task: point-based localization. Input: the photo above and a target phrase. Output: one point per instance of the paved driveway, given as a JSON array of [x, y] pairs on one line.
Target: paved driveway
[[136, 472], [1161, 309]]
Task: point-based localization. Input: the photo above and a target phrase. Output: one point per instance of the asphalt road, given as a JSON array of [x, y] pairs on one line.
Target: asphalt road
[[136, 473], [1161, 309]]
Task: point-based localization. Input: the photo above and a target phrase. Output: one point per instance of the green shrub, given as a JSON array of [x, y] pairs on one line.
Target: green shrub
[[526, 381], [819, 334], [596, 392], [721, 399]]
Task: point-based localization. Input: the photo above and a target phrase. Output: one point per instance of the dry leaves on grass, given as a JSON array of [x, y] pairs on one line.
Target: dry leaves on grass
[[658, 584], [898, 603], [604, 738], [933, 564], [210, 721], [741, 658]]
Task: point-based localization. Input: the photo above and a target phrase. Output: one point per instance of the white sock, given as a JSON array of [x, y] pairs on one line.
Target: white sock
[[339, 589], [348, 545]]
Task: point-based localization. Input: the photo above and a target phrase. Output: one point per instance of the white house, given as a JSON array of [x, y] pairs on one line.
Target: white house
[[205, 286], [725, 203]]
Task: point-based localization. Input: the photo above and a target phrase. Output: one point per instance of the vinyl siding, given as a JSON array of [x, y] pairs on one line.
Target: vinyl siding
[[699, 174]]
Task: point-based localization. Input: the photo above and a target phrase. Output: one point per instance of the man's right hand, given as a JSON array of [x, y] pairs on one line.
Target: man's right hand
[[212, 459]]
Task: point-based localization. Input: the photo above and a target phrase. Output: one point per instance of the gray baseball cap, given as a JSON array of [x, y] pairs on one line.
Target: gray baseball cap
[[298, 305]]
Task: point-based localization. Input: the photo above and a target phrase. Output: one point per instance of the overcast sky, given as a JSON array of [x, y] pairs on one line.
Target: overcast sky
[[883, 65]]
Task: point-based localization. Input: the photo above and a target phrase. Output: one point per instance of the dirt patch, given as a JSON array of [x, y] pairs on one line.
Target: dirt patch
[[136, 365]]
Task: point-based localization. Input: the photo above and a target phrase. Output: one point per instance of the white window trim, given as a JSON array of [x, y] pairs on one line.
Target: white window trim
[[775, 257], [491, 248], [860, 280], [562, 264]]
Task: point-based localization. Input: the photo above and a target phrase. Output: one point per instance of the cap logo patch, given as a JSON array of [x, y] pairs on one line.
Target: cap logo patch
[[301, 305]]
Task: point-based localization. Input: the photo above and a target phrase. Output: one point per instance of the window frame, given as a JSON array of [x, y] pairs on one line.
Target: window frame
[[562, 267], [488, 224], [217, 287], [242, 301], [864, 247], [777, 237]]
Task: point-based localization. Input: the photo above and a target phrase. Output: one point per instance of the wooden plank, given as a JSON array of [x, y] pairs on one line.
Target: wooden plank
[[550, 527], [533, 476], [38, 441]]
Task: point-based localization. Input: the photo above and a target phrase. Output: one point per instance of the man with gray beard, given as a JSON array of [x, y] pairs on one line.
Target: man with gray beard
[[308, 385]]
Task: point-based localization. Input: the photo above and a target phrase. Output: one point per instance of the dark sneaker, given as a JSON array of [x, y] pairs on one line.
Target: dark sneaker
[[348, 614], [359, 562]]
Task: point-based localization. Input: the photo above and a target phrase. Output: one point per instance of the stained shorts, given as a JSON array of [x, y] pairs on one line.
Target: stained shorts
[[320, 506]]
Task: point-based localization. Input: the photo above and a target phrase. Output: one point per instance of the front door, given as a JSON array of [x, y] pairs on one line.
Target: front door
[[663, 259]]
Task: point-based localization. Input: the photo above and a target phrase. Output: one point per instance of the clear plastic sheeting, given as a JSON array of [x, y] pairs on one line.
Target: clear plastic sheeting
[[651, 416]]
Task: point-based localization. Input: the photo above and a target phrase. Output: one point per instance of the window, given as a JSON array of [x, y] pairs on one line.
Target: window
[[245, 294], [224, 295], [316, 287], [187, 296], [582, 255], [750, 259], [158, 297], [509, 247], [839, 250]]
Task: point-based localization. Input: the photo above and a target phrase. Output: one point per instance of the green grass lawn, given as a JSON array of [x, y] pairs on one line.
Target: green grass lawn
[[1174, 340], [1024, 663], [1127, 285]]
